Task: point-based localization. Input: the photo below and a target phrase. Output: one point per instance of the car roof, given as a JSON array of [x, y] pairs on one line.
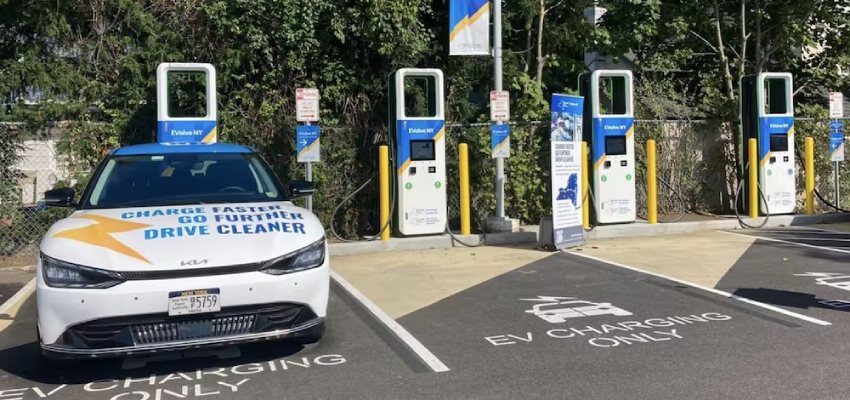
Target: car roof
[[187, 148]]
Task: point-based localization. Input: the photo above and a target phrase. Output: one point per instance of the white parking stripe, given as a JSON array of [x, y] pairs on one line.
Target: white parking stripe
[[711, 290], [16, 298], [789, 242], [412, 343]]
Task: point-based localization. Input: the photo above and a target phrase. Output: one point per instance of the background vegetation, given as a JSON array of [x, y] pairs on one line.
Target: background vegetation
[[92, 62]]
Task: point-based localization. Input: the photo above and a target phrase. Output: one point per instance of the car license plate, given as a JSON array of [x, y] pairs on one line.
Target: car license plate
[[189, 302]]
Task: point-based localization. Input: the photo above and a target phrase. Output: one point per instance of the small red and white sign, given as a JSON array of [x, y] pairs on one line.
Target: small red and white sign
[[836, 105], [306, 105], [500, 106]]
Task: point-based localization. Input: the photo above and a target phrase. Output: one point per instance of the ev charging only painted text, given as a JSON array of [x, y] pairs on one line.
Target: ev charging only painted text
[[203, 383], [620, 334]]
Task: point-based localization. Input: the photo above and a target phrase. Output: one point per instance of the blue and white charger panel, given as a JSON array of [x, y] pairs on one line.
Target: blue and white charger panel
[[186, 129]]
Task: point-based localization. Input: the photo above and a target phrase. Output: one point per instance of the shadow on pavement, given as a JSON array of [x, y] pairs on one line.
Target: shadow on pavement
[[25, 362], [786, 298]]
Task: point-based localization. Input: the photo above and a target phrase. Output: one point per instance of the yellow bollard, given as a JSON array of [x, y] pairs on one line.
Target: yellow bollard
[[463, 170], [753, 179], [810, 175], [651, 184], [384, 189], [585, 183]]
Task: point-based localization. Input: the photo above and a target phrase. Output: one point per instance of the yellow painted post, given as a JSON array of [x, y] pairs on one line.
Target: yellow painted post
[[810, 175], [651, 184], [585, 183], [384, 189], [752, 180], [463, 170]]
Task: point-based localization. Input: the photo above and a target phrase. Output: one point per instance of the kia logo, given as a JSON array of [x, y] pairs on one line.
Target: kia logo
[[193, 262]]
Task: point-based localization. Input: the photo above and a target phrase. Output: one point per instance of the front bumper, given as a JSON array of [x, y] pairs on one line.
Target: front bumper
[[132, 318], [67, 352]]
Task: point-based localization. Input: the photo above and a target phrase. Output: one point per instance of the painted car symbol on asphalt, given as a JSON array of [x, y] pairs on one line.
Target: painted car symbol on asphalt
[[557, 310]]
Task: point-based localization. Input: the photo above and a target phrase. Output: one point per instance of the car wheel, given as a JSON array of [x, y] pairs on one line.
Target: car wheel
[[311, 335]]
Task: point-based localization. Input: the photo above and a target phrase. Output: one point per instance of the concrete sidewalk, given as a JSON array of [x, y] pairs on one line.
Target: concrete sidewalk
[[528, 234], [403, 281]]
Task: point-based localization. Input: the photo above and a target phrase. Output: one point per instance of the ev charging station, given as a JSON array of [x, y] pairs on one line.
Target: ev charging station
[[609, 131], [767, 115], [175, 85], [417, 132]]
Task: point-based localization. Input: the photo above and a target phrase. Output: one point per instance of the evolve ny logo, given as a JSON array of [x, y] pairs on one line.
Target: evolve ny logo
[[558, 310]]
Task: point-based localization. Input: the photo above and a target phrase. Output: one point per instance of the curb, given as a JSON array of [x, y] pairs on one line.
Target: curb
[[528, 234]]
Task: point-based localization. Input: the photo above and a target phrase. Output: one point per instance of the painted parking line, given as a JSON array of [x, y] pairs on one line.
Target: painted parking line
[[789, 241], [575, 327], [718, 292], [425, 355], [800, 277], [18, 297]]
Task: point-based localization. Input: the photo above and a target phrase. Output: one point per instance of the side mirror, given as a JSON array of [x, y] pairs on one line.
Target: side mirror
[[62, 197], [299, 188]]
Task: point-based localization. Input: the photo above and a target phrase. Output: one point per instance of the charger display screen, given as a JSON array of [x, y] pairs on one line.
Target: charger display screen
[[779, 142], [422, 150], [615, 145]]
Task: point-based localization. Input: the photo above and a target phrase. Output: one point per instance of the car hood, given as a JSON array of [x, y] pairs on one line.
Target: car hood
[[181, 237]]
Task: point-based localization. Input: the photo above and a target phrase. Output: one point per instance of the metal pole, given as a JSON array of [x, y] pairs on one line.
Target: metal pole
[[651, 184], [384, 189], [310, 179], [837, 184], [809, 162], [497, 82], [753, 179], [463, 172]]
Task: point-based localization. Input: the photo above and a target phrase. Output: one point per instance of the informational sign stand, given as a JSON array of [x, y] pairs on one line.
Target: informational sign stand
[[836, 139], [307, 141], [565, 137], [500, 132]]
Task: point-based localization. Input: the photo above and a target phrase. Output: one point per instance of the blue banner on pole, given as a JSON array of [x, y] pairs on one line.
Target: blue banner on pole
[[836, 140], [307, 143], [500, 140]]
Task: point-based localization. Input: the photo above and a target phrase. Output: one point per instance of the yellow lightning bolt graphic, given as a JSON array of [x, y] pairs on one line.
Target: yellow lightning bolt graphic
[[99, 234]]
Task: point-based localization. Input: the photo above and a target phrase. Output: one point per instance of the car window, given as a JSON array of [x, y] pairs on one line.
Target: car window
[[162, 179]]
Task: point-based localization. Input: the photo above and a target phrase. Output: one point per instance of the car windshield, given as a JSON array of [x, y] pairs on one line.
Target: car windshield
[[168, 179]]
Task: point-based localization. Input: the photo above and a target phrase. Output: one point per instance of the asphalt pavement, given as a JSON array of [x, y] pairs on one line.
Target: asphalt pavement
[[561, 325]]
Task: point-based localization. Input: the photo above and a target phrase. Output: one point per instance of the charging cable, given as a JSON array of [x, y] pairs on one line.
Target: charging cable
[[819, 196], [761, 197]]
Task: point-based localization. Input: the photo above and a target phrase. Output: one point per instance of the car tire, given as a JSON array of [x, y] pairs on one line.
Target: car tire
[[311, 335]]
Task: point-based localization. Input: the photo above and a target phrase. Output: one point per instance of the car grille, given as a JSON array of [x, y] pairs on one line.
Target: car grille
[[162, 328], [187, 330]]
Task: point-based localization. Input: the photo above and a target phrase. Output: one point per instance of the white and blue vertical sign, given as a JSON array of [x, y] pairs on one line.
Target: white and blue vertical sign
[[836, 140], [500, 140], [307, 143], [565, 138]]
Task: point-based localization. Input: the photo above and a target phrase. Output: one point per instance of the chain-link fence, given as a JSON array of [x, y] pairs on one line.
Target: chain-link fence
[[29, 166], [696, 158]]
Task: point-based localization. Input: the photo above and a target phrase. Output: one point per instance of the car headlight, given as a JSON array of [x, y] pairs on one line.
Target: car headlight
[[61, 274], [309, 257]]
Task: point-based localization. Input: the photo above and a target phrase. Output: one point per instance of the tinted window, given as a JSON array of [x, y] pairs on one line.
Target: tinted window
[[149, 180]]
